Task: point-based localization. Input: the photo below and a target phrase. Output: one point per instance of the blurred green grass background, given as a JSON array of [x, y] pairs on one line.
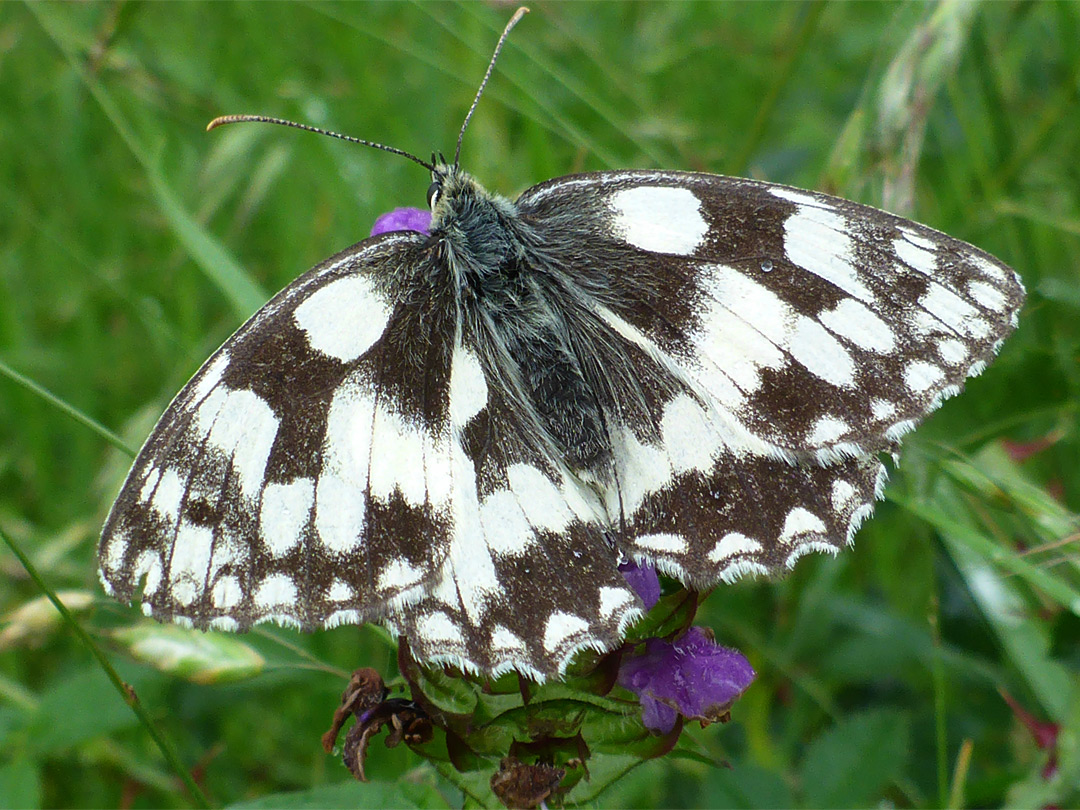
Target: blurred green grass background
[[132, 243]]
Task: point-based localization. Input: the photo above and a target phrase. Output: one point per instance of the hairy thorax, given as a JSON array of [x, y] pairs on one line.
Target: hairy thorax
[[516, 320]]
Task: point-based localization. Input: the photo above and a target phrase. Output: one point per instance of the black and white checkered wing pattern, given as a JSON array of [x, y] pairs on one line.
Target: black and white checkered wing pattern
[[303, 475], [807, 333]]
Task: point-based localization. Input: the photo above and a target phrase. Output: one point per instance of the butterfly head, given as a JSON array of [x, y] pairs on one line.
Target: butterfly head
[[440, 171], [455, 196]]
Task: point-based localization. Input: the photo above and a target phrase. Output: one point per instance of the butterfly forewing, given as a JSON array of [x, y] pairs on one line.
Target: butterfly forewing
[[825, 327], [303, 474], [800, 334]]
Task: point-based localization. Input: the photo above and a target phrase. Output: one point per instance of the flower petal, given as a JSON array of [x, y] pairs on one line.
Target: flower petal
[[643, 579], [403, 219], [691, 676]]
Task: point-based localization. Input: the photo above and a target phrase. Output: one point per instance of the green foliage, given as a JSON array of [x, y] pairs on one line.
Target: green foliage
[[184, 653], [132, 243], [350, 796], [854, 761], [580, 724]]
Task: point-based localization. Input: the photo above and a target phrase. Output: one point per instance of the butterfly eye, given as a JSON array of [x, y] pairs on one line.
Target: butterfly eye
[[433, 193]]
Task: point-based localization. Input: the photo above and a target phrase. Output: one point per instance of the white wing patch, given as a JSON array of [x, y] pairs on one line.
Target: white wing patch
[[243, 427], [285, 511], [468, 387], [211, 376], [953, 352], [919, 257], [828, 429], [819, 352], [989, 296], [561, 628], [190, 559], [341, 491], [853, 321], [508, 644], [800, 521], [398, 576], [227, 593], [953, 313], [747, 328], [276, 590], [816, 239], [920, 376], [167, 493], [344, 318], [664, 542], [734, 544], [545, 506], [506, 525], [691, 438], [661, 219], [396, 446], [737, 348]]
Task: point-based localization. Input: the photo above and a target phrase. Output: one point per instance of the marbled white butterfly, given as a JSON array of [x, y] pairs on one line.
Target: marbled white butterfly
[[462, 434]]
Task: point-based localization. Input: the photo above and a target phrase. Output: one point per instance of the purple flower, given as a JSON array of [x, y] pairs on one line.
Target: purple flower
[[691, 676], [403, 219], [643, 579]]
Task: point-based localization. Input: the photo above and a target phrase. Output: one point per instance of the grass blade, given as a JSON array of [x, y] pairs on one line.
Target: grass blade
[[127, 694]]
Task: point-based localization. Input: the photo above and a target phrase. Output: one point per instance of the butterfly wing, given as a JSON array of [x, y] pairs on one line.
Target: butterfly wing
[[303, 474], [825, 327], [529, 578], [779, 339]]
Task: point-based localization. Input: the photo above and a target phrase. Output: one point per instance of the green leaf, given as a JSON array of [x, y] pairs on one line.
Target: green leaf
[[453, 695], [1003, 604], [35, 619], [994, 474], [1068, 747], [849, 764], [744, 785], [83, 705], [191, 654], [604, 771], [351, 796], [673, 612], [20, 784]]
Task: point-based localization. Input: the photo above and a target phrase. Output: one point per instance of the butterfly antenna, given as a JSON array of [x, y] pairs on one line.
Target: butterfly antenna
[[521, 12], [265, 119]]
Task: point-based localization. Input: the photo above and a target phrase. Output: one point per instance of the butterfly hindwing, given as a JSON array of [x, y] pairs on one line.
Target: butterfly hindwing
[[750, 515], [303, 474], [529, 578], [693, 492]]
